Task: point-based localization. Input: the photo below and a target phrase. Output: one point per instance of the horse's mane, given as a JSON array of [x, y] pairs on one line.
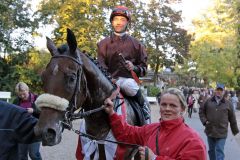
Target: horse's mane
[[63, 48]]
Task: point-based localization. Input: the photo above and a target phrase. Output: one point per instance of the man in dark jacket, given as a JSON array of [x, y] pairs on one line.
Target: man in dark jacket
[[215, 114], [16, 126], [124, 56]]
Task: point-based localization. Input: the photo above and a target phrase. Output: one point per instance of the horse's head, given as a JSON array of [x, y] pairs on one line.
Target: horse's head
[[71, 80], [62, 84]]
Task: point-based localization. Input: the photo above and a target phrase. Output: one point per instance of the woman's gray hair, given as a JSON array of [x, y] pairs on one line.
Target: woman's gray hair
[[177, 93], [21, 86]]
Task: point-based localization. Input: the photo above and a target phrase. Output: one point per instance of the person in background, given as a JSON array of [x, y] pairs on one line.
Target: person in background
[[196, 96], [234, 100], [26, 99], [215, 114], [226, 95], [170, 138], [16, 126], [204, 95], [190, 102], [124, 57]]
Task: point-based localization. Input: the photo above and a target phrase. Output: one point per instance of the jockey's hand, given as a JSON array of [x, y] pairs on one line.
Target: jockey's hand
[[129, 65], [109, 106], [142, 152], [113, 80]]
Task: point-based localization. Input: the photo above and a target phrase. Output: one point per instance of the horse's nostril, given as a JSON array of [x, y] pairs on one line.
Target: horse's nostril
[[50, 135]]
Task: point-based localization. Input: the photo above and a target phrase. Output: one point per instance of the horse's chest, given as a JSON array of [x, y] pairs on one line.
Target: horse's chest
[[97, 149]]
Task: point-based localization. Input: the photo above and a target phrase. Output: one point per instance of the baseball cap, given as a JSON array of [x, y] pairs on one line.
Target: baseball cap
[[220, 86]]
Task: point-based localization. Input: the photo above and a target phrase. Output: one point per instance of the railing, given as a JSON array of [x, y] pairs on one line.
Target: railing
[[5, 95], [152, 99]]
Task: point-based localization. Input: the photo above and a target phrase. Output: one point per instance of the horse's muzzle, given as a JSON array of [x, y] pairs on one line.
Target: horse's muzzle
[[50, 137]]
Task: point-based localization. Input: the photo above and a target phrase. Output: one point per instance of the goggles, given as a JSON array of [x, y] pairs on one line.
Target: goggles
[[120, 12]]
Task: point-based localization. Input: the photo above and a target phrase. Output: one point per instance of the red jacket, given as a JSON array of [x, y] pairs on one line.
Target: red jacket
[[175, 139]]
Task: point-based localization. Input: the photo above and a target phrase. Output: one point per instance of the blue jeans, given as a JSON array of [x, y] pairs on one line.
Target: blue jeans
[[32, 149], [216, 148]]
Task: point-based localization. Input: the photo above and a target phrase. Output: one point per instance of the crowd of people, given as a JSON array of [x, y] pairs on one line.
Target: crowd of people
[[216, 109], [196, 96]]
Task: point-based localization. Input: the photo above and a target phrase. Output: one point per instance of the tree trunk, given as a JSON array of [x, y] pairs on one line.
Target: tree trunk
[[156, 72]]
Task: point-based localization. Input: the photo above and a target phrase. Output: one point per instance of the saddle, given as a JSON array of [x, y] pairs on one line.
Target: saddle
[[138, 111]]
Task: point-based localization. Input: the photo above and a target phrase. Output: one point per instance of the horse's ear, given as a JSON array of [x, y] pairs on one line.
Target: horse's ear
[[71, 40], [51, 47]]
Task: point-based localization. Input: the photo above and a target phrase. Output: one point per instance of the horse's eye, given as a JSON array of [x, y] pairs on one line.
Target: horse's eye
[[72, 78]]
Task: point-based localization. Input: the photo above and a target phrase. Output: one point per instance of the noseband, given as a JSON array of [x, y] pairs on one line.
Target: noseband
[[69, 114]]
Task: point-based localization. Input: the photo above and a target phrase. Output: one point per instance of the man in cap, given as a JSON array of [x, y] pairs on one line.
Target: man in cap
[[123, 56], [215, 114]]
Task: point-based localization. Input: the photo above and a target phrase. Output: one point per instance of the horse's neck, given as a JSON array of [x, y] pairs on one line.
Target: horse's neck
[[97, 83], [99, 88], [97, 125]]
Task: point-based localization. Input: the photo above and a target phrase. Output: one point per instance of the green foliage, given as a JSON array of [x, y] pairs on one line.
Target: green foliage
[[16, 23], [23, 68], [167, 43], [153, 91], [214, 46]]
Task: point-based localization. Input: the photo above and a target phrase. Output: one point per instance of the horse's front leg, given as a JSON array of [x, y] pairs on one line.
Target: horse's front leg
[[102, 155]]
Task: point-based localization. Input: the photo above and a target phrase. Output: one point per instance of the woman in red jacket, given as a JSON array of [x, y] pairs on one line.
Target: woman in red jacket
[[169, 139]]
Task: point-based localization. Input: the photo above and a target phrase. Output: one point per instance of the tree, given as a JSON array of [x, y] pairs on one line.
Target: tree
[[214, 47], [166, 41], [84, 18], [162, 36], [89, 20], [16, 24]]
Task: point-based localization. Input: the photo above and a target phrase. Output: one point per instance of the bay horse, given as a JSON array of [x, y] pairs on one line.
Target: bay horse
[[72, 81]]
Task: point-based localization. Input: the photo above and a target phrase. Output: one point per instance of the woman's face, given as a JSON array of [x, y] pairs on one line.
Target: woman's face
[[23, 94], [170, 107]]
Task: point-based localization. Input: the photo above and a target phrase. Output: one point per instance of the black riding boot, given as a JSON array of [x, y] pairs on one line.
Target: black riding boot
[[143, 104]]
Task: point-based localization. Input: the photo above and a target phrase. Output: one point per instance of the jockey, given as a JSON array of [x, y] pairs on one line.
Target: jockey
[[133, 60]]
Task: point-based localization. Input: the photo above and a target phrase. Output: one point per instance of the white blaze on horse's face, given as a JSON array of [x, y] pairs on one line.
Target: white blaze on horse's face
[[55, 70]]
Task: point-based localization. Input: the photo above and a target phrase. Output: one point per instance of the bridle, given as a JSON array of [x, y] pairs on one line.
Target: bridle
[[70, 115], [73, 101]]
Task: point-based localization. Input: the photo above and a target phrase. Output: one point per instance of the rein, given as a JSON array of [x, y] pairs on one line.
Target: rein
[[95, 138], [73, 101], [70, 115]]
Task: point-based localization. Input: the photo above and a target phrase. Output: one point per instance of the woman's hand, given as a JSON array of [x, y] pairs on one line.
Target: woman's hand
[[151, 155], [30, 110], [109, 106]]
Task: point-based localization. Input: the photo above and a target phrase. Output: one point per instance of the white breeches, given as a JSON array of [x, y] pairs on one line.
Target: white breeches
[[128, 86]]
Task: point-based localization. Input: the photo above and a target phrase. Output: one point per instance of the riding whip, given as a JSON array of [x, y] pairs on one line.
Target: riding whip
[[134, 75]]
